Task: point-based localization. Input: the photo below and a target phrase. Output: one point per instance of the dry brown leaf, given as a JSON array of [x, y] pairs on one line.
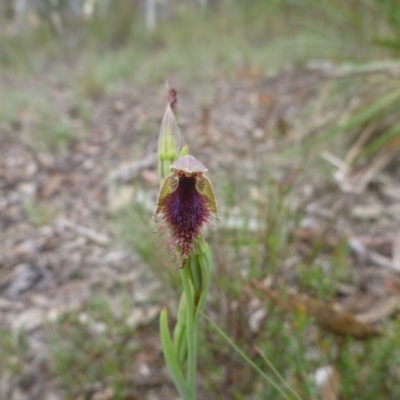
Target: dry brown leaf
[[52, 185], [380, 311], [249, 73], [359, 144], [126, 172], [311, 236], [119, 197], [149, 176], [359, 180], [365, 254], [326, 317]]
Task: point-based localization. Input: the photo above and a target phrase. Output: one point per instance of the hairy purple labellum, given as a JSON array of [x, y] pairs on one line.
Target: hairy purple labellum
[[186, 203]]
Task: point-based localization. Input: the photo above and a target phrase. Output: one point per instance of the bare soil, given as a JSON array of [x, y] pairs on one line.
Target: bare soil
[[58, 248]]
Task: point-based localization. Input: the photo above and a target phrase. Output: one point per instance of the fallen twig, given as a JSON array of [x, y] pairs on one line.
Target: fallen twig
[[325, 316], [366, 254], [126, 172]]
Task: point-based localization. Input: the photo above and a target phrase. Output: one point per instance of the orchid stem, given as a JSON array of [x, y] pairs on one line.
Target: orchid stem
[[191, 332]]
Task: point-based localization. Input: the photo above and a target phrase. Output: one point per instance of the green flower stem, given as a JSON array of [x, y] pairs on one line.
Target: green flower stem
[[204, 266], [191, 331], [195, 274]]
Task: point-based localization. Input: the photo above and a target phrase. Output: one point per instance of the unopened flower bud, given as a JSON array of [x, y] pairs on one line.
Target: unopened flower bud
[[168, 143]]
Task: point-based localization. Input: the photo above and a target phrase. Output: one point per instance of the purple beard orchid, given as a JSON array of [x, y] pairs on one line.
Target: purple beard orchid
[[186, 203]]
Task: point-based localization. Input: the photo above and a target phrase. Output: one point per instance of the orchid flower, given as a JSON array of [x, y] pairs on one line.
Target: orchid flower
[[186, 203]]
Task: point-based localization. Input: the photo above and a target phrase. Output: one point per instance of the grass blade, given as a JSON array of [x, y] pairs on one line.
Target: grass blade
[[251, 362]]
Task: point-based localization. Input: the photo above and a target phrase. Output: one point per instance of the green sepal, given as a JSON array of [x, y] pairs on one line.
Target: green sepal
[[171, 359], [184, 151]]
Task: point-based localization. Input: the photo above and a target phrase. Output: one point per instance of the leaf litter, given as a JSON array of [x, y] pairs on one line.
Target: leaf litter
[[52, 263]]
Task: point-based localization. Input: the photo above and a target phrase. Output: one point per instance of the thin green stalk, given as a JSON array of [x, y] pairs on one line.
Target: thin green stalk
[[278, 375], [190, 332], [248, 360], [300, 361], [204, 263]]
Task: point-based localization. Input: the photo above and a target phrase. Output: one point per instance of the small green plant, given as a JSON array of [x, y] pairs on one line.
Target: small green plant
[[39, 213], [185, 204], [37, 118], [389, 11], [14, 348], [55, 136], [91, 84]]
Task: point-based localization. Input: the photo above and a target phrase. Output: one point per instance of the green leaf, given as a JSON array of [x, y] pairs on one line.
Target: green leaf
[[384, 140], [378, 107], [180, 342], [180, 339], [381, 105], [173, 365]]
